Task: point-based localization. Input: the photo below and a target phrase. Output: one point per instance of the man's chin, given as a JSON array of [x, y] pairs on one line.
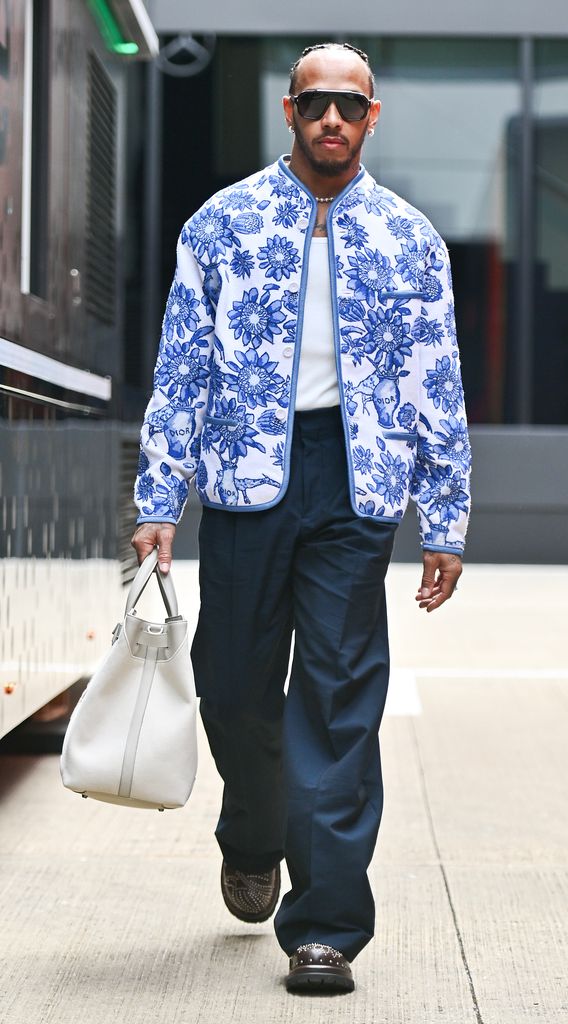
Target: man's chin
[[329, 166], [332, 167]]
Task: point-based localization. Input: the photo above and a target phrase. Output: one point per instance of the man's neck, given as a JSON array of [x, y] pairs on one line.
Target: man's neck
[[321, 184]]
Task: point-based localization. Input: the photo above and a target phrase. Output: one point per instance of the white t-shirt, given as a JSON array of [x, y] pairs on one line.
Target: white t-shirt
[[317, 375]]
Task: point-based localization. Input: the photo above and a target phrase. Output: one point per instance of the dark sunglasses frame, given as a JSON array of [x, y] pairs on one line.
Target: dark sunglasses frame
[[332, 96]]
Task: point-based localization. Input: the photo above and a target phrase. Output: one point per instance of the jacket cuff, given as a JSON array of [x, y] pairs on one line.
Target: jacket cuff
[[156, 519], [455, 549]]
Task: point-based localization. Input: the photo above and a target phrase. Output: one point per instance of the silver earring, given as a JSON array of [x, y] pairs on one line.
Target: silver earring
[[371, 131], [290, 129]]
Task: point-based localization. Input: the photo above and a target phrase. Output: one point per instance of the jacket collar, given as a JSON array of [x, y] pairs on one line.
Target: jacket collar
[[284, 167]]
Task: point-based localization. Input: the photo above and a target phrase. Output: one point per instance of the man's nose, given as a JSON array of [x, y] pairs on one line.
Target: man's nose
[[332, 116]]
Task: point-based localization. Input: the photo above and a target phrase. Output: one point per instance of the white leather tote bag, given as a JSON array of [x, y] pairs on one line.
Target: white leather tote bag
[[132, 737]]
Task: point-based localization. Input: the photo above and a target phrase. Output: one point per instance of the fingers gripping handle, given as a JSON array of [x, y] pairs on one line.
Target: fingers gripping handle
[[167, 589]]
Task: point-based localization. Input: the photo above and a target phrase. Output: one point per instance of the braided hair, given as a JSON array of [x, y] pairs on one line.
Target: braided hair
[[331, 46]]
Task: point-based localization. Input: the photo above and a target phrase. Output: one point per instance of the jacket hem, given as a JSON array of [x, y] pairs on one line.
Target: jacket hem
[[393, 520], [249, 508]]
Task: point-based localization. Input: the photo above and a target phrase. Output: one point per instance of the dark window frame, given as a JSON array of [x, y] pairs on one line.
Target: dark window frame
[[40, 132]]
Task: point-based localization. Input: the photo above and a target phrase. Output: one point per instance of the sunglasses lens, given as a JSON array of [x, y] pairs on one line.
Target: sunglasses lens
[[351, 106], [312, 105]]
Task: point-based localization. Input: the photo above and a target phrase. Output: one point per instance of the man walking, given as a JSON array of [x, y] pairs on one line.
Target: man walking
[[308, 383]]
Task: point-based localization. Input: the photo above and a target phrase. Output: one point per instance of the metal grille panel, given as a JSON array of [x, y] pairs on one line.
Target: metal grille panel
[[100, 285], [127, 511]]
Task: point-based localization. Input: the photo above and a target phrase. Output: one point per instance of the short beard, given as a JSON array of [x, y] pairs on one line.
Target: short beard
[[326, 168]]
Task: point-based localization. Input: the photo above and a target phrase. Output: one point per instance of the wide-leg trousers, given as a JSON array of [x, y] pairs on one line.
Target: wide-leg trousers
[[302, 772]]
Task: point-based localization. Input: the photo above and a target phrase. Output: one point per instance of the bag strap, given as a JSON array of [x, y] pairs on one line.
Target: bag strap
[[165, 582]]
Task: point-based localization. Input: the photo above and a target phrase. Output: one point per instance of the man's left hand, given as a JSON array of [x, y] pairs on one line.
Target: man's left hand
[[442, 571]]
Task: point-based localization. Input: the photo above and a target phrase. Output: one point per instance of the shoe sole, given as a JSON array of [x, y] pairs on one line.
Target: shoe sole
[[319, 978], [251, 918]]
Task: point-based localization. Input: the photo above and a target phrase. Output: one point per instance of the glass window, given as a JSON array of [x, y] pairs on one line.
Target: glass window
[[550, 317]]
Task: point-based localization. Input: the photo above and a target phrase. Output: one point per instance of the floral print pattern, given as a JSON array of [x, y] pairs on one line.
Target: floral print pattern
[[371, 272], [255, 319], [254, 379], [278, 258]]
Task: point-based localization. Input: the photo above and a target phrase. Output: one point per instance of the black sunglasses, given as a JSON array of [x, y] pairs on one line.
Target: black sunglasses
[[312, 104]]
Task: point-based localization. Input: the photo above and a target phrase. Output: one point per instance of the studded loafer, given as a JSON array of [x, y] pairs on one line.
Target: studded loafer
[[317, 967], [250, 897]]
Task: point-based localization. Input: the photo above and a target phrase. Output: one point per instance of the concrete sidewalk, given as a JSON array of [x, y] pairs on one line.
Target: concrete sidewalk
[[116, 915]]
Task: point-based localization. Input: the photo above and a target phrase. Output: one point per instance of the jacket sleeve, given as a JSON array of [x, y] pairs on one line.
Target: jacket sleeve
[[440, 484], [171, 431]]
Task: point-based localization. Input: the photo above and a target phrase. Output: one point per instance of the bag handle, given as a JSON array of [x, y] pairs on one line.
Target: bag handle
[[165, 582]]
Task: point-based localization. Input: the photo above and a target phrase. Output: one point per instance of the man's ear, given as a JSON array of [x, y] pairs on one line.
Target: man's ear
[[288, 110], [374, 113]]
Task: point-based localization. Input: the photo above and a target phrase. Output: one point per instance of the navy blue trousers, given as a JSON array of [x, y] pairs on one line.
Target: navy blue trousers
[[302, 772]]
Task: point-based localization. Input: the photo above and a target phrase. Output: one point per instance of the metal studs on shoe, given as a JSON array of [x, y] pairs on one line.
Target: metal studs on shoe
[[316, 967], [250, 897]]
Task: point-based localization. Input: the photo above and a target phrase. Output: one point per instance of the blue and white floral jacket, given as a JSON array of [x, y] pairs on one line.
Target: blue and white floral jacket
[[222, 409]]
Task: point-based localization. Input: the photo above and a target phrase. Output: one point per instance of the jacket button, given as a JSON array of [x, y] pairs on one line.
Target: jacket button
[[288, 351], [280, 414]]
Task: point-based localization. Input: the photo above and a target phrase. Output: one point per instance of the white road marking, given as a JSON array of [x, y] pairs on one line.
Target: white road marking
[[403, 697]]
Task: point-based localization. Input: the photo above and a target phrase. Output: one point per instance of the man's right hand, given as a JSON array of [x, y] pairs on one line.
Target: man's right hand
[[151, 535]]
